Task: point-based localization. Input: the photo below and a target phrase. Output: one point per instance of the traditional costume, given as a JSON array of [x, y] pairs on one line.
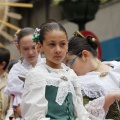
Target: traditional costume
[[53, 94]]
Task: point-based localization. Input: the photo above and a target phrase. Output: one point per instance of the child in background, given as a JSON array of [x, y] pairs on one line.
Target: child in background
[[29, 59], [5, 111]]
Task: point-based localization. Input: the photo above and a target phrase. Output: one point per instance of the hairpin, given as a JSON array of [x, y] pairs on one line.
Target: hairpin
[[77, 33], [36, 35], [16, 36], [17, 33]]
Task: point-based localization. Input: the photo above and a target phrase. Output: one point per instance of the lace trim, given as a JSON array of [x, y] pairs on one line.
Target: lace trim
[[92, 90], [64, 87], [63, 91], [95, 107]]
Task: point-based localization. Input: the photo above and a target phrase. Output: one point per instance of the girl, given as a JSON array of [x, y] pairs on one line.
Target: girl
[[30, 58], [5, 109], [96, 78], [51, 91]]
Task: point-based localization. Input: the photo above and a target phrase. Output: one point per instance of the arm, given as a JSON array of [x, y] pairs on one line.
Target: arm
[[95, 107], [82, 112], [34, 105], [17, 110], [14, 85], [110, 99], [100, 106]]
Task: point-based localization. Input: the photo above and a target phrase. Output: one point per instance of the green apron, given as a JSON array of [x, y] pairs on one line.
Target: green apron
[[56, 111]]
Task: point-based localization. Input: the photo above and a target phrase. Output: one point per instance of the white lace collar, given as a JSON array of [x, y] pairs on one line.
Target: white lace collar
[[65, 79]]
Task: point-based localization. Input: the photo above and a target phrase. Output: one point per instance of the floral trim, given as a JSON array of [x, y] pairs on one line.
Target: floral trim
[[36, 35]]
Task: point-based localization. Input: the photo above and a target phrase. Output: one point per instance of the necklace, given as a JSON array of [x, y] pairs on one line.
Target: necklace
[[103, 74], [98, 66]]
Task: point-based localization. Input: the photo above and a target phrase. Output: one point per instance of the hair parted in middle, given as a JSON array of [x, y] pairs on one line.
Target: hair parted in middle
[[50, 25], [23, 32]]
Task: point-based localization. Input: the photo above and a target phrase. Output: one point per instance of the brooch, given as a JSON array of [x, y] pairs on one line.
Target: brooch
[[64, 78], [103, 74]]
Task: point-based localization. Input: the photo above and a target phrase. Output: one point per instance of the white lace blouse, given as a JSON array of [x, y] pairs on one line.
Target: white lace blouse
[[15, 84], [34, 105], [94, 86]]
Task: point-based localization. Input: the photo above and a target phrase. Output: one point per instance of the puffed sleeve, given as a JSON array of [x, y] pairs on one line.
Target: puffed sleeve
[[14, 85], [84, 113], [34, 105]]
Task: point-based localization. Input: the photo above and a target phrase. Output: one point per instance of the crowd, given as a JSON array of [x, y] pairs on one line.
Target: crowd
[[70, 83]]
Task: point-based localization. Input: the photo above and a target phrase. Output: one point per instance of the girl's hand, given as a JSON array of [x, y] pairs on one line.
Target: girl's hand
[[110, 99]]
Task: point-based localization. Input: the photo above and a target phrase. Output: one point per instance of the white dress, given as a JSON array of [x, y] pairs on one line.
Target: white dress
[[34, 105], [15, 84], [94, 86]]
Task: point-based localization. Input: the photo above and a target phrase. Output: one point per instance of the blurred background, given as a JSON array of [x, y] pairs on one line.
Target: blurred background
[[99, 18]]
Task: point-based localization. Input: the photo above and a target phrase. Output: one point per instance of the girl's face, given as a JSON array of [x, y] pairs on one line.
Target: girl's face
[[78, 64], [28, 49], [54, 47]]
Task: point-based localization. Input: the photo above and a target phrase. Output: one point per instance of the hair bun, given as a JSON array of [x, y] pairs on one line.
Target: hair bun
[[92, 41]]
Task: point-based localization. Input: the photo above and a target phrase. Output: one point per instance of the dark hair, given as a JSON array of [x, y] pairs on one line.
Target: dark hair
[[79, 43], [11, 63], [24, 32], [4, 56], [50, 26]]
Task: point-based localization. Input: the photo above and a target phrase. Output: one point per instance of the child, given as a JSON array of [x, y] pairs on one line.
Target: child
[[4, 99], [97, 78], [51, 91], [17, 74]]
